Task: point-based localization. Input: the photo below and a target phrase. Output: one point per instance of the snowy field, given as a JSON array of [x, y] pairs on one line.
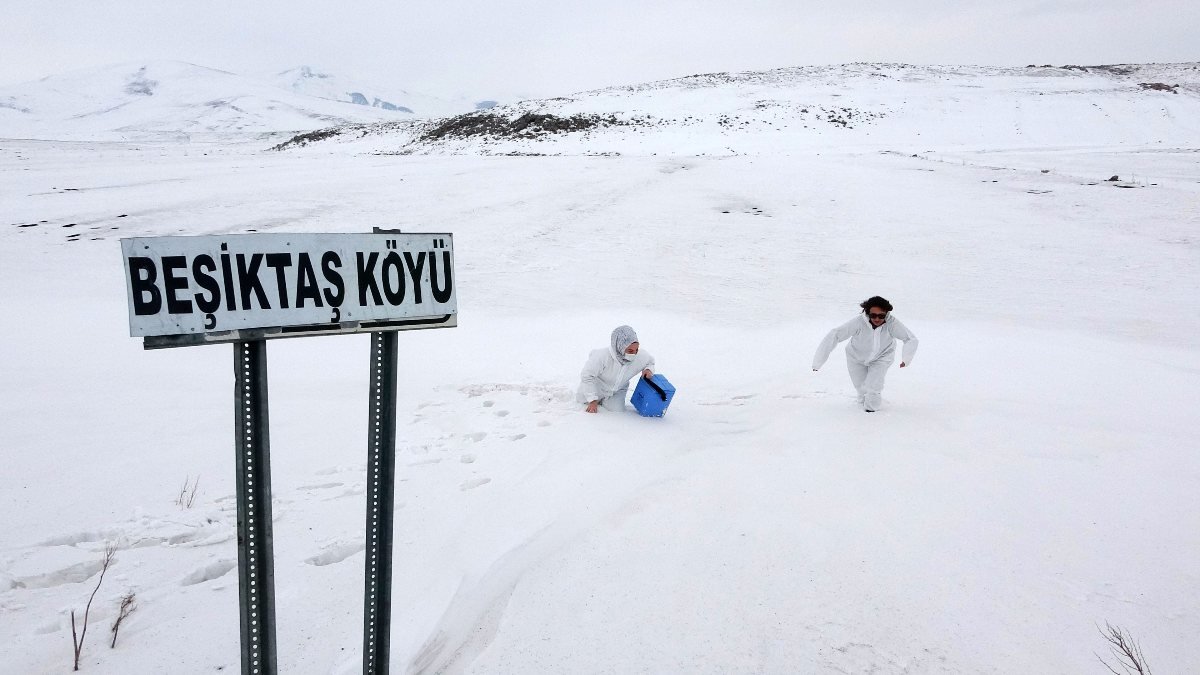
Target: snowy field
[[1033, 474]]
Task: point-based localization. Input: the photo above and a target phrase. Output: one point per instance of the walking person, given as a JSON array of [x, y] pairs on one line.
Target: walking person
[[605, 377], [871, 350]]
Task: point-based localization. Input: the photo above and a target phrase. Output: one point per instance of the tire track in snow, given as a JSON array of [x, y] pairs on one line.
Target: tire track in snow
[[473, 616]]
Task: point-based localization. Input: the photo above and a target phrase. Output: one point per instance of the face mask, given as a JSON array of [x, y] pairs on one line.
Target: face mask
[[629, 357]]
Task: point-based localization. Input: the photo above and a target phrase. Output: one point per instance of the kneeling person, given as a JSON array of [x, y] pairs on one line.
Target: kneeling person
[[607, 372]]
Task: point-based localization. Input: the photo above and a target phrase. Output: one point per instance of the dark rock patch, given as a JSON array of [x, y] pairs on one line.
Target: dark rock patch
[[528, 125], [301, 140]]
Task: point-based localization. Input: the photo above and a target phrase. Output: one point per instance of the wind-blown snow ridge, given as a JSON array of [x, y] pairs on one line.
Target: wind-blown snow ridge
[[811, 107]]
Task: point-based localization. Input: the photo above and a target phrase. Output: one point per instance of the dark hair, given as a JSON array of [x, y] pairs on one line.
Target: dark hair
[[876, 301]]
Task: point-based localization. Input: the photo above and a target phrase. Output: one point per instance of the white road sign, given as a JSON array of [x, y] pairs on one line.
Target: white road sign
[[217, 284]]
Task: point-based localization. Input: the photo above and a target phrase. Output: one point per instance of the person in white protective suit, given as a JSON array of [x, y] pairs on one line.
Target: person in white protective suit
[[606, 375], [871, 350]]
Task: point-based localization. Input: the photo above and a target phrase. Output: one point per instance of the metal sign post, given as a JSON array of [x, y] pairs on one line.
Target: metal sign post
[[247, 289], [256, 568], [381, 470]]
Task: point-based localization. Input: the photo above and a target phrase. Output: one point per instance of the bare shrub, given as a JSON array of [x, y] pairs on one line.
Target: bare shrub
[[1126, 651], [127, 608], [77, 638], [187, 493]]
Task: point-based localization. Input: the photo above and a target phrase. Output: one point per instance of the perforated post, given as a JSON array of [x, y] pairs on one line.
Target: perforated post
[[256, 569], [381, 472]]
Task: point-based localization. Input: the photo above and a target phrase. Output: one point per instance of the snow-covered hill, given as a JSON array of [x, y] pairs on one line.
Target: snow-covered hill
[[168, 99], [854, 105]]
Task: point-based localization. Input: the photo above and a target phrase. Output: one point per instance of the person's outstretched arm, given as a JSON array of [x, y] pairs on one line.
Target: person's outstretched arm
[[902, 333], [842, 332]]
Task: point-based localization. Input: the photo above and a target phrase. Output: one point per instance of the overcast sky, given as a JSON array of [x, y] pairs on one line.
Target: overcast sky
[[499, 48]]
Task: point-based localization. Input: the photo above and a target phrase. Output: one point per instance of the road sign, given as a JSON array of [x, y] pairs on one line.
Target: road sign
[[248, 288], [184, 291]]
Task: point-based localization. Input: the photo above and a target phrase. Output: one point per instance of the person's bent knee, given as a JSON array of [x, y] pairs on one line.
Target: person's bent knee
[[616, 402]]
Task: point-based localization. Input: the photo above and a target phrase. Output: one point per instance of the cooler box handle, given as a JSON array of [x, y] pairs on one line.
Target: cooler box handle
[[654, 385]]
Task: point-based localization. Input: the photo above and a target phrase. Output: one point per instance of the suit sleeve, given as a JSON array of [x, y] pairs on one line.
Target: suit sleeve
[[839, 334], [591, 383], [902, 333], [650, 363]]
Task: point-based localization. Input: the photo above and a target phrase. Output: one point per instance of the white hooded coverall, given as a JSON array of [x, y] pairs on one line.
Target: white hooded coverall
[[606, 375], [868, 354]]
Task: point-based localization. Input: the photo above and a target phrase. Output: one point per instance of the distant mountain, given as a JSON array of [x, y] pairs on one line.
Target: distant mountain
[[310, 82], [173, 99], [804, 109]]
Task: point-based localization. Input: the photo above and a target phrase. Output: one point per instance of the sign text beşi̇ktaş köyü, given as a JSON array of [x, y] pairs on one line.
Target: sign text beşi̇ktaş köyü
[[181, 285]]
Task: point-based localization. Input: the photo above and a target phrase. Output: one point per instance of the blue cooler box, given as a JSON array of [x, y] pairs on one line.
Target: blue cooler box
[[649, 401]]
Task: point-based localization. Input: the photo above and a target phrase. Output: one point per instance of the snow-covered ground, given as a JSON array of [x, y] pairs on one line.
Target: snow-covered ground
[[1033, 474]]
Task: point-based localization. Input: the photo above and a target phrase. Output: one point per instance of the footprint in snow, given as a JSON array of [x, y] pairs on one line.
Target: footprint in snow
[[320, 486], [62, 575], [335, 553], [734, 401], [349, 492], [214, 570], [473, 483], [814, 394]]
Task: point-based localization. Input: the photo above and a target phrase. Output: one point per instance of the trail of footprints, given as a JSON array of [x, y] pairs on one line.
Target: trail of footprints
[[506, 413], [77, 557], [500, 414]]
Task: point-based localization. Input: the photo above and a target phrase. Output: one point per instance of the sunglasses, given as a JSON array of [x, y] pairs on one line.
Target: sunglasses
[[877, 316]]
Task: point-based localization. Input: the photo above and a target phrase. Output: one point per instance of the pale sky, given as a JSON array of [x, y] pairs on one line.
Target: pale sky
[[499, 48]]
